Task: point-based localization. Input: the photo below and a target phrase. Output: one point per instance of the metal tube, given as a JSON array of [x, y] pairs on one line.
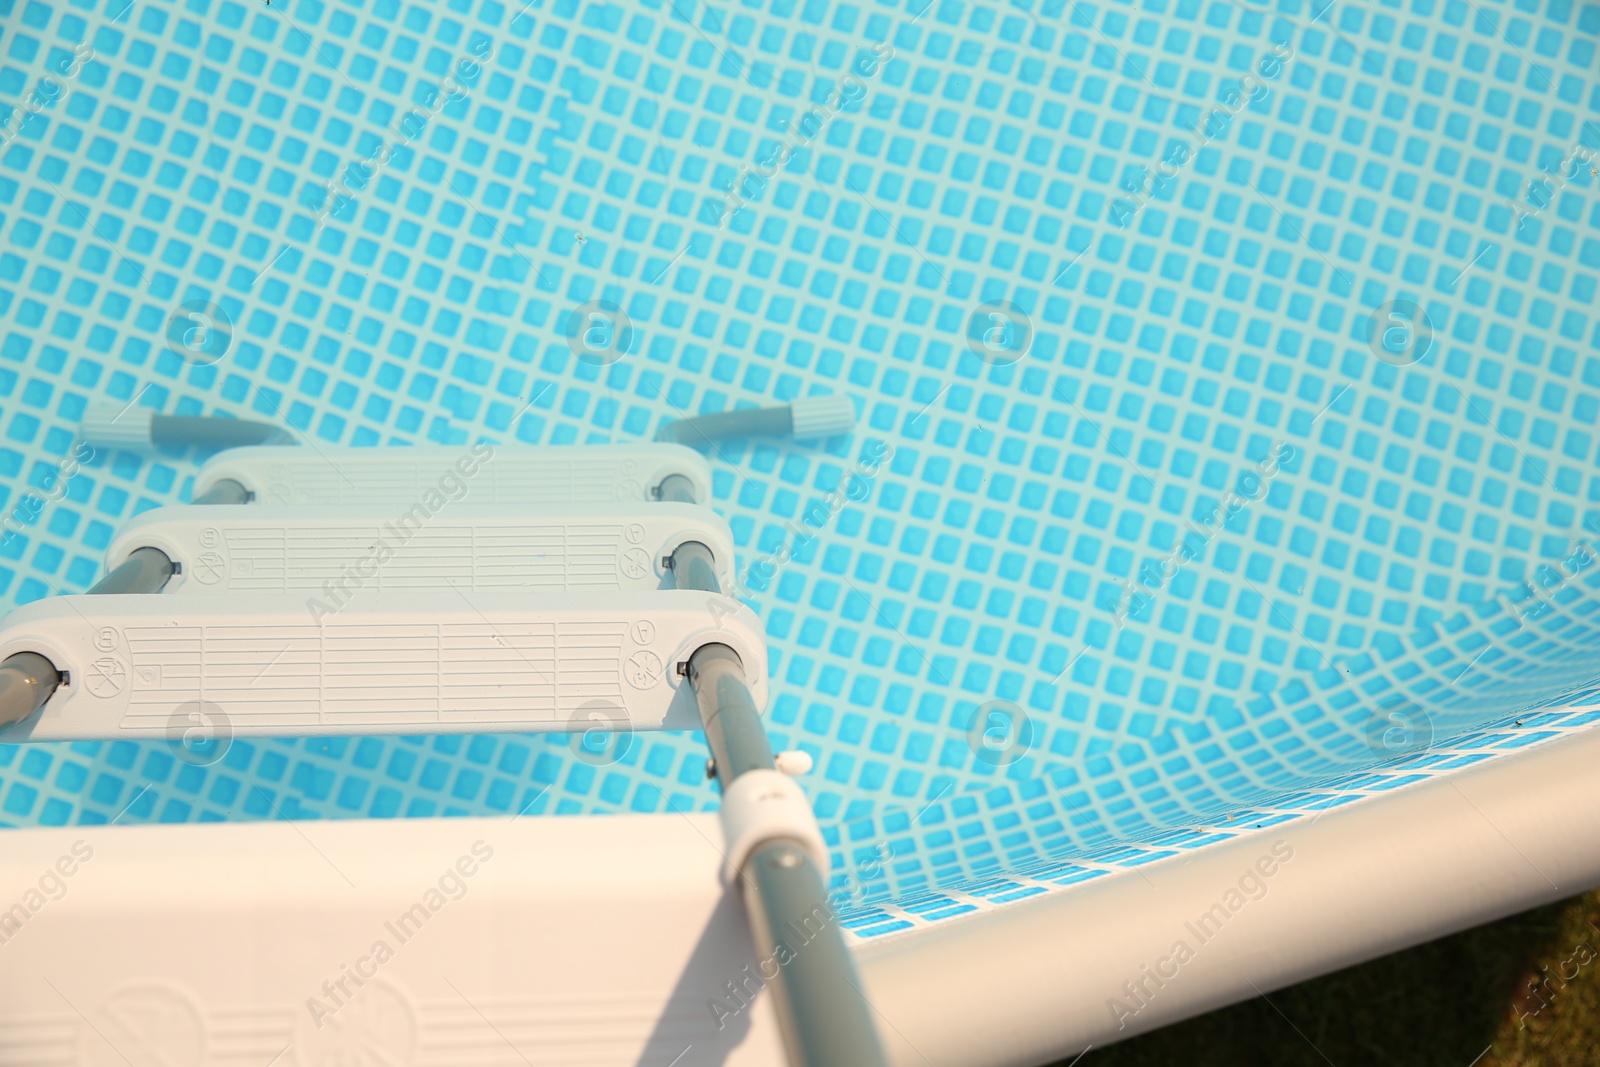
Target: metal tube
[[210, 431], [678, 488], [717, 425], [226, 491], [146, 570], [734, 733], [816, 991], [26, 681], [695, 567], [824, 1018]]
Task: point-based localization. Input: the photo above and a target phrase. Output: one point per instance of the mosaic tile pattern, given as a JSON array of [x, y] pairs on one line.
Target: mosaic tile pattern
[[1200, 288]]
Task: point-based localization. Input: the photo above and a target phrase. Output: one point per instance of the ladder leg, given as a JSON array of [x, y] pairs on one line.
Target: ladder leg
[[146, 570], [825, 1019], [226, 491], [26, 681]]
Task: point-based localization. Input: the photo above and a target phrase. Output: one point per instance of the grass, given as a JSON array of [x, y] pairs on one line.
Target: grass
[[1489, 997]]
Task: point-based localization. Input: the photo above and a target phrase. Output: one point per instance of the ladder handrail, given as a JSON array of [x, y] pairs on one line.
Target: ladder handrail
[[823, 1015]]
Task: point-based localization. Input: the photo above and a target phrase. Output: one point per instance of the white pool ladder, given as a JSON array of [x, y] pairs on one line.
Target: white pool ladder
[[434, 590]]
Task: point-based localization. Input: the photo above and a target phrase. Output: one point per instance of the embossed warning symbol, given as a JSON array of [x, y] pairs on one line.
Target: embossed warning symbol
[[643, 669], [107, 676], [209, 568], [634, 563]]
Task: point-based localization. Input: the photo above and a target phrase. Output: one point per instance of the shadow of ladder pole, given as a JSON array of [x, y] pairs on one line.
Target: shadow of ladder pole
[[825, 1020]]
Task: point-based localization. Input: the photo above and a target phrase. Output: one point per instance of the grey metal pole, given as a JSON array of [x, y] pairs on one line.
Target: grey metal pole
[[822, 1014], [816, 992], [734, 733], [677, 488], [226, 491], [695, 567], [211, 431], [145, 570], [26, 681], [715, 426]]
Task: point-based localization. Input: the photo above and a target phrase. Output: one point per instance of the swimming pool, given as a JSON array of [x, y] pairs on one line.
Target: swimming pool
[[1225, 447]]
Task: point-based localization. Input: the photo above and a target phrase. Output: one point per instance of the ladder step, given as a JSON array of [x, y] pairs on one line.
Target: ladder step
[[142, 666], [436, 474], [365, 547]]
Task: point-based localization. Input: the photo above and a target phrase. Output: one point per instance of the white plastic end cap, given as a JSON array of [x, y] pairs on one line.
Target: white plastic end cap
[[822, 416], [795, 762], [762, 806], [116, 425]]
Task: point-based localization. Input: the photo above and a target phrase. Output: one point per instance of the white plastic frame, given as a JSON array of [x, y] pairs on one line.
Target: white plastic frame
[[145, 665], [226, 932], [250, 548], [486, 474]]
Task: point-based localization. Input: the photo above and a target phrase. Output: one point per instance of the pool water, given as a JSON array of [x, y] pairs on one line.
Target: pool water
[[1227, 377]]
